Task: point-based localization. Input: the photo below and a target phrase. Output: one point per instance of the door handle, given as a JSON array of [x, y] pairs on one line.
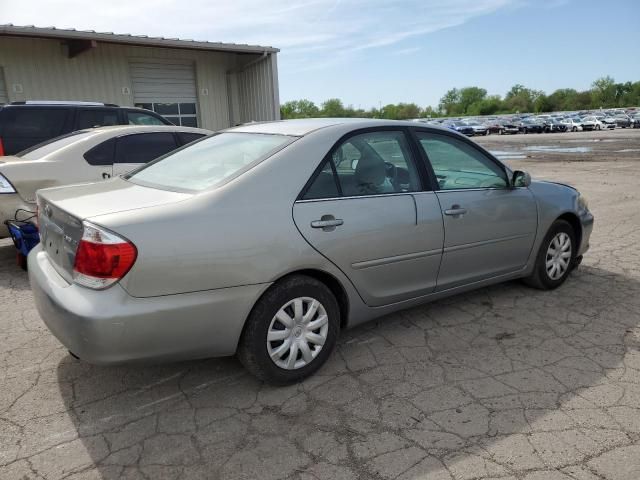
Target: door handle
[[336, 222], [455, 210], [327, 223], [106, 175]]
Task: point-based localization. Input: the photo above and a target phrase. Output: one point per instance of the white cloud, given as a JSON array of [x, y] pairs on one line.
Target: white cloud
[[310, 33]]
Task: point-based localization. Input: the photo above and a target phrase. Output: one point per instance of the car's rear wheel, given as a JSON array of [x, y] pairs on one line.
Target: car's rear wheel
[[556, 256], [291, 331], [597, 127]]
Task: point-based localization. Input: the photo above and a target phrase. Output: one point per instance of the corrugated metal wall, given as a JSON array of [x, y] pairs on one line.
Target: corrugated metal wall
[[257, 91], [3, 88], [40, 70]]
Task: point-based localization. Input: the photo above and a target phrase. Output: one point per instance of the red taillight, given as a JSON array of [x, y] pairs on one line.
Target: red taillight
[[102, 258], [1, 148]]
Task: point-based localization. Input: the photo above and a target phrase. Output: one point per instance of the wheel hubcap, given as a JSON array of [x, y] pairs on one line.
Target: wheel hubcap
[[297, 333], [558, 256]]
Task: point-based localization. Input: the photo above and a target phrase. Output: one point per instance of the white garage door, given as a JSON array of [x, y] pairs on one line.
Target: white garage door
[[166, 88], [3, 89]]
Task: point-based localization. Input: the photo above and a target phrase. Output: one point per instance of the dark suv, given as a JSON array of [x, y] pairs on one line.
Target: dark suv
[[24, 124]]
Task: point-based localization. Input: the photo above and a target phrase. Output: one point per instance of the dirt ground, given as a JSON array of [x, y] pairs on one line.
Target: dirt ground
[[505, 382]]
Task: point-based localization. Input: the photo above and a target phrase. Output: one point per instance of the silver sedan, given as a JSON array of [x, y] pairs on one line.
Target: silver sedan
[[268, 239]]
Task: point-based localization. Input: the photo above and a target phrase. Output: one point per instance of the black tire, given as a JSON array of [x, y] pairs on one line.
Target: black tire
[[574, 129], [539, 278], [525, 131], [597, 127], [252, 349], [486, 133], [501, 132]]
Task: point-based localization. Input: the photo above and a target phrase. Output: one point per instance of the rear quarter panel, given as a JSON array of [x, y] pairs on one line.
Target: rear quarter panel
[[239, 234]]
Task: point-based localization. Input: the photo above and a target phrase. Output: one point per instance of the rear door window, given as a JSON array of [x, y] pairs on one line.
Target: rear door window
[[33, 122], [144, 147], [102, 154], [188, 137], [99, 117]]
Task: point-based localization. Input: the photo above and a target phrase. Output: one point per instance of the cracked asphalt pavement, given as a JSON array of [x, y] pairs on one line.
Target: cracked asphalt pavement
[[504, 382]]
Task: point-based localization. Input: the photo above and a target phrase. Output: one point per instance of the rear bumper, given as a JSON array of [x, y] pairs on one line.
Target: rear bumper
[[110, 327]]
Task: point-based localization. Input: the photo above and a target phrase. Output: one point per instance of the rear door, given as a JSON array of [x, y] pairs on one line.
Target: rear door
[[136, 149], [489, 227], [96, 117], [22, 127], [359, 211]]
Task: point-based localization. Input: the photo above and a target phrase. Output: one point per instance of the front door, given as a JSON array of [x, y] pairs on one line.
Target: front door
[[359, 212], [489, 227]]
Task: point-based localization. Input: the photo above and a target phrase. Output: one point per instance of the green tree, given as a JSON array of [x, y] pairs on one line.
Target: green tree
[[469, 96], [603, 92], [333, 108], [298, 109], [450, 102]]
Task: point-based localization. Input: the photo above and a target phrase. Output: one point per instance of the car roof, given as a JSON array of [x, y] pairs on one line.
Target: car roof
[[123, 129], [301, 127]]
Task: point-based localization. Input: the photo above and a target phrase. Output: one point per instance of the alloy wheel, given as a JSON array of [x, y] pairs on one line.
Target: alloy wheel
[[558, 256], [297, 333]]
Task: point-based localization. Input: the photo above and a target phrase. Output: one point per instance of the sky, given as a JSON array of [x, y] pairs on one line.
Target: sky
[[373, 52]]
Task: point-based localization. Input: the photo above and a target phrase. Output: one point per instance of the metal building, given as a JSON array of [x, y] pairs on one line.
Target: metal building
[[205, 84]]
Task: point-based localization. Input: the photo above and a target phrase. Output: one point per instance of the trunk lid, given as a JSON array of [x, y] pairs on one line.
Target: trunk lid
[[62, 210]]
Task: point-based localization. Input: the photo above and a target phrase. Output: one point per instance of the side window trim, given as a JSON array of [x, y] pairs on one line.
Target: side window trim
[[474, 146], [413, 150]]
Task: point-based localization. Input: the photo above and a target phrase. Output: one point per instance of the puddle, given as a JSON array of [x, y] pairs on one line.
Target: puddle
[[506, 155], [628, 150], [552, 149], [592, 140]]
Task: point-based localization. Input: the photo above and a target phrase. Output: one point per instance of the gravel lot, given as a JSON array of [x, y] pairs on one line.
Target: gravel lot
[[505, 382]]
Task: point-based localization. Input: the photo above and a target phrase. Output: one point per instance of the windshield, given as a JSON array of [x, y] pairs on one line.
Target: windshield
[[45, 148], [208, 162]]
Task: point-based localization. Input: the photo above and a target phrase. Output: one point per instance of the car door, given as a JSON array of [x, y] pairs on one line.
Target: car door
[[489, 226], [136, 149], [359, 211], [96, 117]]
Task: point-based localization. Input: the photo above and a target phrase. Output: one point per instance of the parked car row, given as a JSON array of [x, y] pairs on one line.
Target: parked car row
[[547, 123]]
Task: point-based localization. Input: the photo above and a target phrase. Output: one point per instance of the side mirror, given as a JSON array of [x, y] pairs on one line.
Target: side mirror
[[520, 179]]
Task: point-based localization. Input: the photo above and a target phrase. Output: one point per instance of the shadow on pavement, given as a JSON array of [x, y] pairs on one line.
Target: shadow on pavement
[[492, 383]]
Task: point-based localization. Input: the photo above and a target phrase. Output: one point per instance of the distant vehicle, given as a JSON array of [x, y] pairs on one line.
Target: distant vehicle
[[592, 122], [88, 155], [554, 126], [636, 120], [622, 120], [573, 124], [24, 124], [478, 128], [508, 127], [530, 126], [460, 127]]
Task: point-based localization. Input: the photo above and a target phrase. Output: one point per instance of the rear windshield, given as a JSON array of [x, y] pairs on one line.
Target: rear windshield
[[208, 162], [45, 148]]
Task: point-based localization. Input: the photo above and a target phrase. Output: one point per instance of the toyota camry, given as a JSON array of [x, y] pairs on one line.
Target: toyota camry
[[268, 239]]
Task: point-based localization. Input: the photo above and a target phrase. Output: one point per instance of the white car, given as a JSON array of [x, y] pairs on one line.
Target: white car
[[83, 156], [572, 124], [595, 123]]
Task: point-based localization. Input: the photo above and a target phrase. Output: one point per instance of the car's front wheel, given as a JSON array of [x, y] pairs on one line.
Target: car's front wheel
[[555, 258], [291, 331]]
